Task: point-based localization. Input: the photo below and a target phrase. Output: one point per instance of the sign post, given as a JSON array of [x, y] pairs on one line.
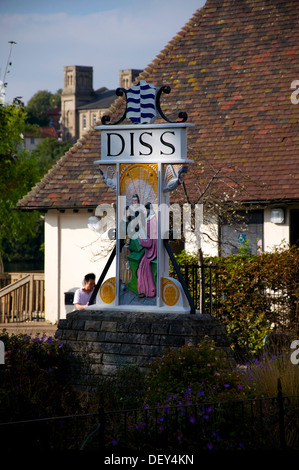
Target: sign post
[[143, 162]]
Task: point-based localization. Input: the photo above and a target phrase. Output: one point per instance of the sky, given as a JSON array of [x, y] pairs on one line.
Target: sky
[[109, 35]]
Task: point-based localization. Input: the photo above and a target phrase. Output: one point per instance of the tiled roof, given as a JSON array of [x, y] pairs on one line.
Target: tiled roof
[[230, 68], [42, 132]]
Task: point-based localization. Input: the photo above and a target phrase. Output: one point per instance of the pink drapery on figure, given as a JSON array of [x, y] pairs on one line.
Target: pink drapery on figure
[[145, 279]]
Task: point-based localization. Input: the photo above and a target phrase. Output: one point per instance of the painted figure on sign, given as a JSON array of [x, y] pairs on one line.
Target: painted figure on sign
[[145, 283], [137, 219], [125, 270]]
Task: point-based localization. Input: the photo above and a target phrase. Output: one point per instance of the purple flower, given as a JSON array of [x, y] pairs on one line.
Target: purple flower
[[226, 385], [192, 420], [210, 446], [114, 442]]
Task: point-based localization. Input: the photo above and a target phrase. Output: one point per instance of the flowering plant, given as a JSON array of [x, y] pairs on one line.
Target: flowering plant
[[33, 377], [205, 369]]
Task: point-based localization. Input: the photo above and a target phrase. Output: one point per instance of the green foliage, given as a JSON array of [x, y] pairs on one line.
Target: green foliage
[[40, 103], [12, 124], [195, 392], [16, 179], [32, 380], [123, 391], [257, 292], [190, 404], [254, 292], [21, 234], [18, 173], [38, 106], [48, 152], [203, 369], [186, 258]]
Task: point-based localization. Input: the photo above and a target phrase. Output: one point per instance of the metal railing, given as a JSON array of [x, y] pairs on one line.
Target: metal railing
[[202, 284], [270, 423], [22, 297]]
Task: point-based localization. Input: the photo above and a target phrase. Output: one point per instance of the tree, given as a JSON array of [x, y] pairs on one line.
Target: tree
[[223, 192], [49, 151], [39, 105], [12, 125], [21, 234], [19, 171], [55, 100]]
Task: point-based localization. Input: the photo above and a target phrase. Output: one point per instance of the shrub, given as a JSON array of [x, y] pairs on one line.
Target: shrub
[[262, 376], [33, 379], [125, 390], [254, 294], [197, 373]]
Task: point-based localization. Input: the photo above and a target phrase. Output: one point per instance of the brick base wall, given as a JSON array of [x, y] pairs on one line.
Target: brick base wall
[[104, 341]]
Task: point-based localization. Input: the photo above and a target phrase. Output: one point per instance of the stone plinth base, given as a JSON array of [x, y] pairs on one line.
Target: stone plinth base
[[107, 340]]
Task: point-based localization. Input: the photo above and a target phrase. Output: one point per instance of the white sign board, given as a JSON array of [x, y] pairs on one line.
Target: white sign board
[[154, 142]]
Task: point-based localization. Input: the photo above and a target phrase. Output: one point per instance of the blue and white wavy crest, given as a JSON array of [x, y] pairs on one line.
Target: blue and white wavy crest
[[141, 103]]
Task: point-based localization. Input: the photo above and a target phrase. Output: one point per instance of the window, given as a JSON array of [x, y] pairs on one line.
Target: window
[[69, 79], [94, 119], [84, 121], [249, 233]]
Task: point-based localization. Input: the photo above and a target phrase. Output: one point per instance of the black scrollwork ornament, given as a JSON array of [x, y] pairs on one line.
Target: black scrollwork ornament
[[182, 116]]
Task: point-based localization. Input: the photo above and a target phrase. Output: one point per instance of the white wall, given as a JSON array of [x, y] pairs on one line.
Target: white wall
[[205, 236], [71, 251], [275, 234]]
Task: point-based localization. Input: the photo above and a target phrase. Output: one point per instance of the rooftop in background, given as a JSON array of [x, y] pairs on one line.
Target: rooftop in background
[[230, 68], [103, 99]]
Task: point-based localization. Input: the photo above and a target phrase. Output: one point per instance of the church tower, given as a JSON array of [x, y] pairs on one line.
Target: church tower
[[77, 91]]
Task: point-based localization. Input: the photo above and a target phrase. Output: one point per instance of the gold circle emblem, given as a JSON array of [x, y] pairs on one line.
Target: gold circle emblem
[[170, 292], [107, 291]]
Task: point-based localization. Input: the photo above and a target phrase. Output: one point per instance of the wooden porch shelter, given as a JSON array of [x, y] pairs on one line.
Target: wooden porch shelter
[[22, 297]]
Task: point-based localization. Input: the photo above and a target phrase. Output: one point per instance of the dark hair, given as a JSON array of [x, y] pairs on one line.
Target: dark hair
[[148, 207], [136, 195], [89, 277]]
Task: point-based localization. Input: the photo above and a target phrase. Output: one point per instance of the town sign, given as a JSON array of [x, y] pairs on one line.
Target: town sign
[[143, 162]]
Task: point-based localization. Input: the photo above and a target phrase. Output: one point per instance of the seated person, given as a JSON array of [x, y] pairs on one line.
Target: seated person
[[82, 295]]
